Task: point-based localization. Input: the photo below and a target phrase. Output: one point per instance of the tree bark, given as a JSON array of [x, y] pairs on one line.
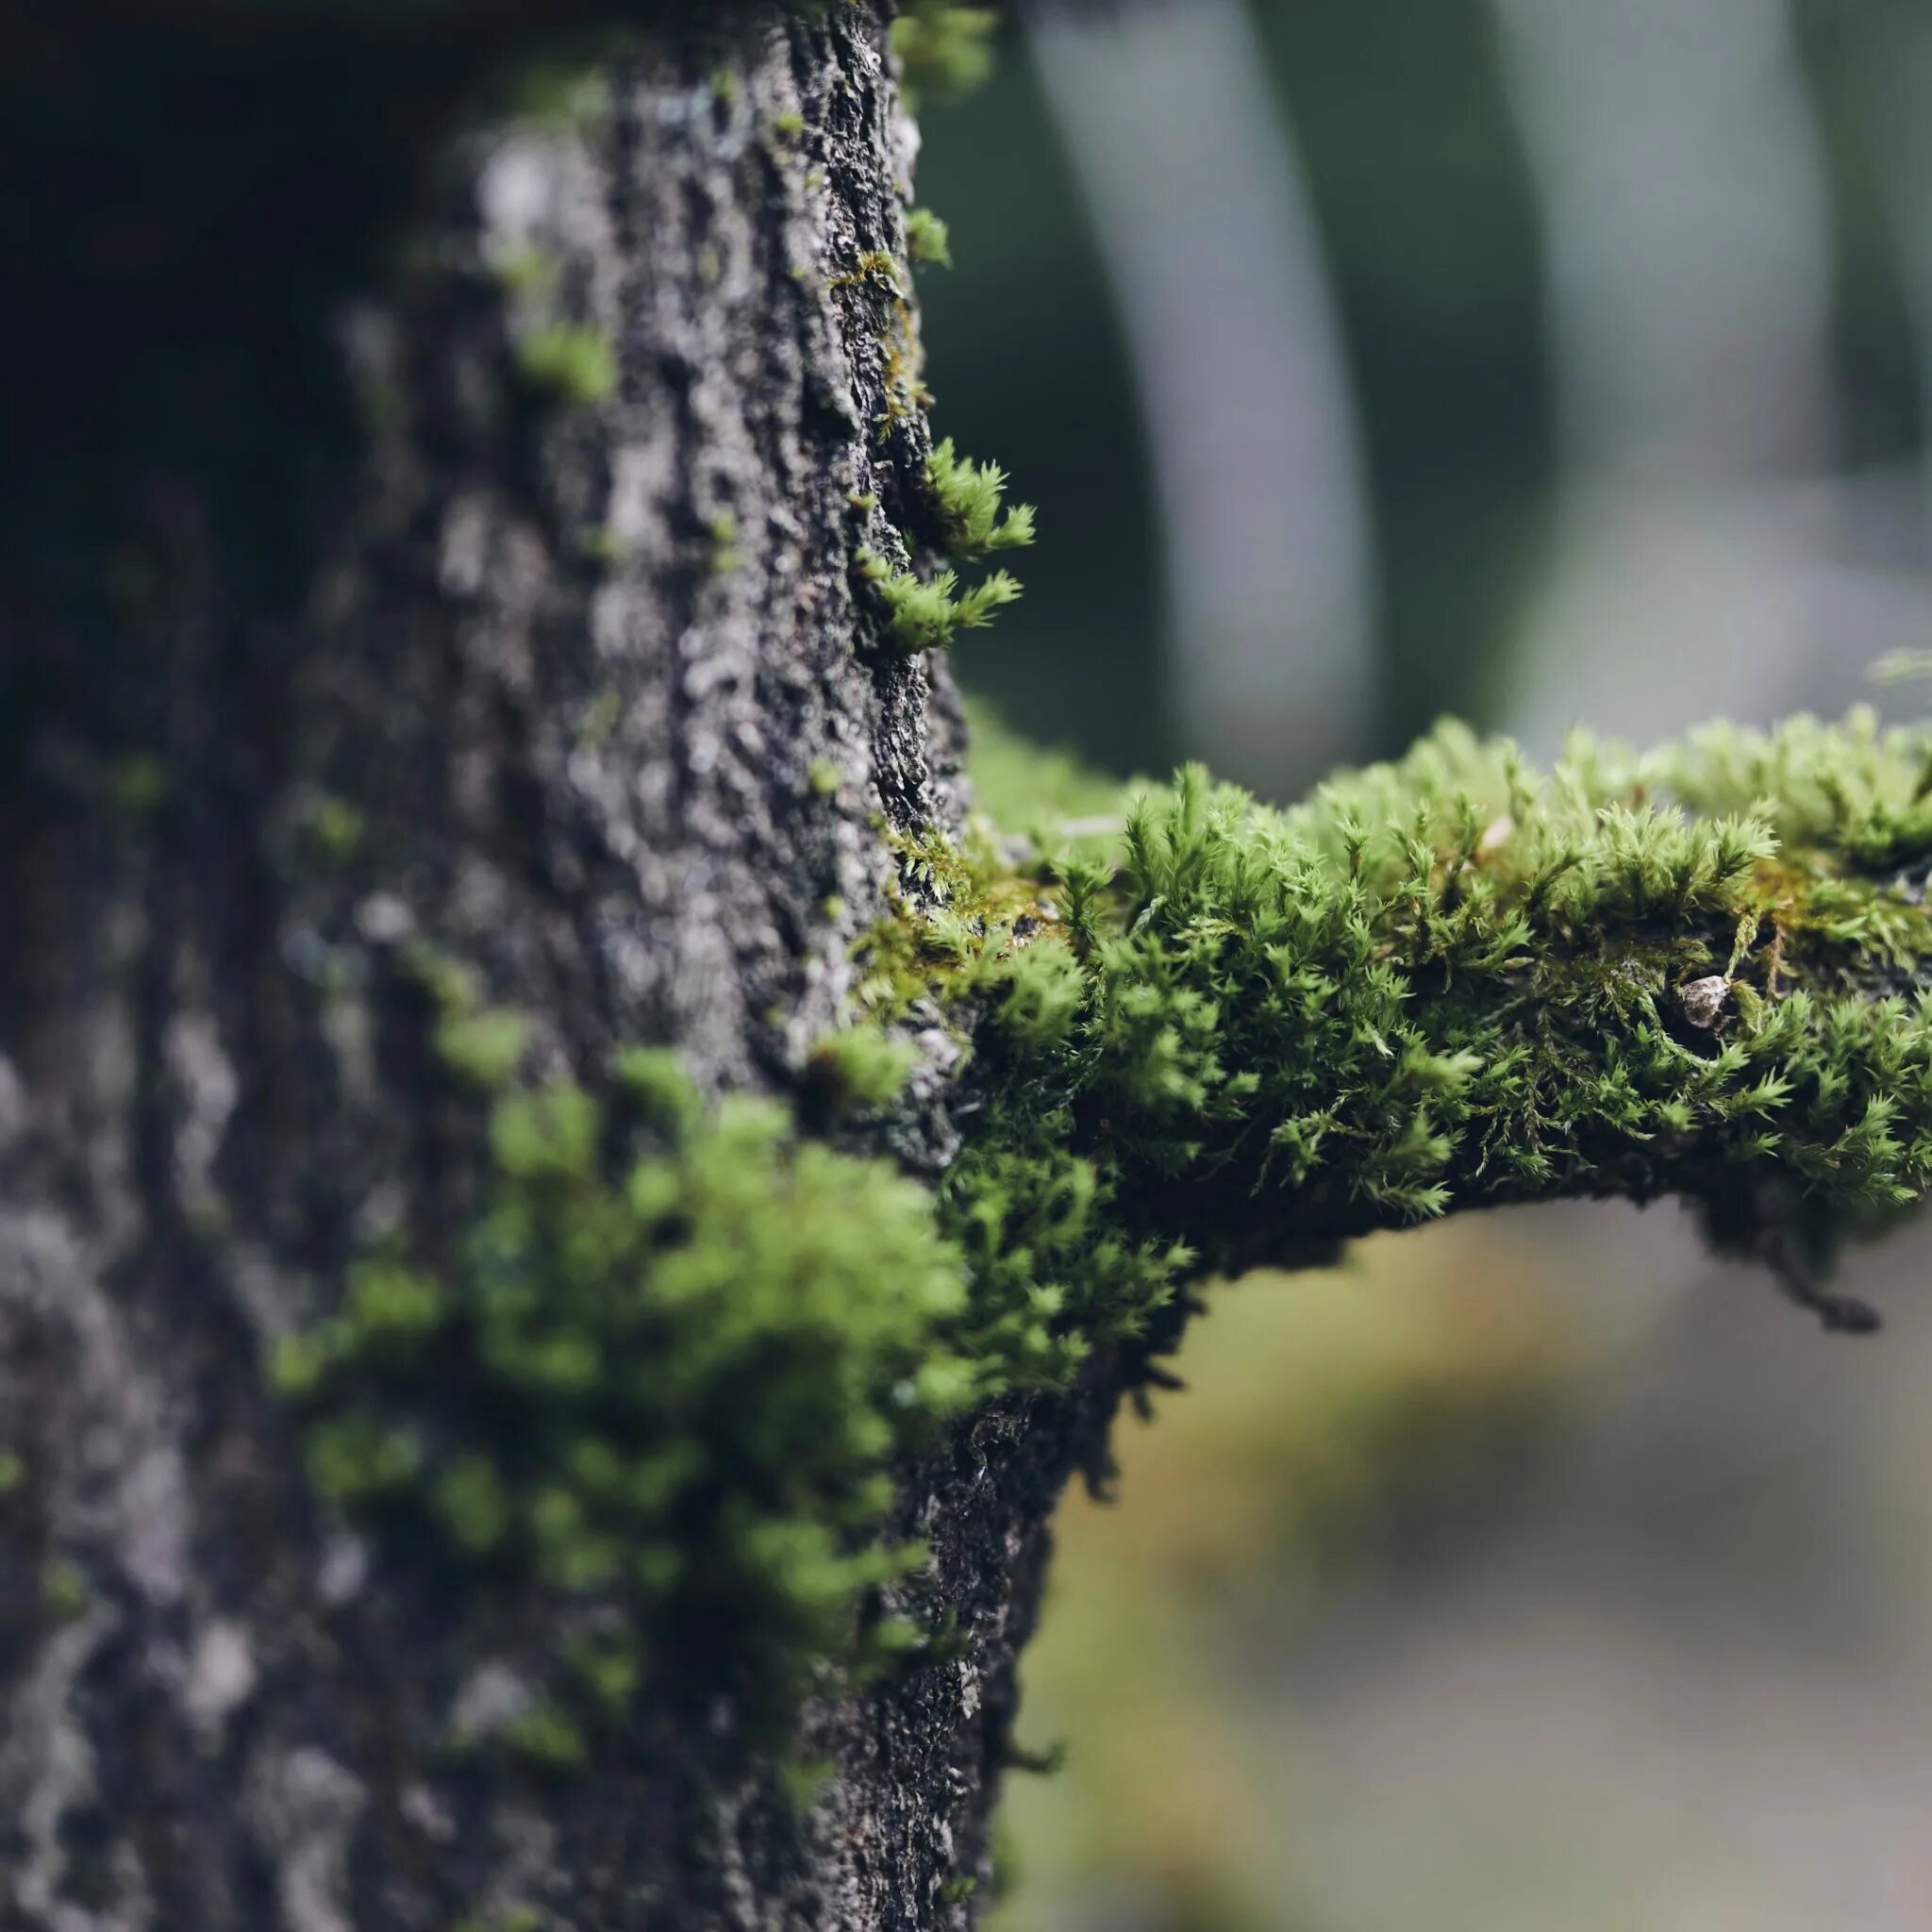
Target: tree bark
[[554, 663]]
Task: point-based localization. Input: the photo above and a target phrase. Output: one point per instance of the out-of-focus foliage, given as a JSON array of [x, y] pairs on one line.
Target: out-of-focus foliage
[[1381, 1405], [1429, 218]]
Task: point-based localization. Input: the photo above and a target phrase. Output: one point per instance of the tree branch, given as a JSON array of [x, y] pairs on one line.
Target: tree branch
[[1449, 983]]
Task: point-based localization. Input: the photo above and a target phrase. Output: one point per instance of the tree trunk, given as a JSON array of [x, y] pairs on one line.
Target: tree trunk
[[544, 652]]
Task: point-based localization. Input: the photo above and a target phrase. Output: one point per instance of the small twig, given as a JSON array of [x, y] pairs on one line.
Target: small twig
[[1838, 1314]]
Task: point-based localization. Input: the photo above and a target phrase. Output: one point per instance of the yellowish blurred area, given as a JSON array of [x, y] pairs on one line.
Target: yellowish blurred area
[[1376, 1408]]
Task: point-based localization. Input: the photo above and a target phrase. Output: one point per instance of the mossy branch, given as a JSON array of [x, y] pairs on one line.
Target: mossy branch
[[1212, 1035], [1454, 982]]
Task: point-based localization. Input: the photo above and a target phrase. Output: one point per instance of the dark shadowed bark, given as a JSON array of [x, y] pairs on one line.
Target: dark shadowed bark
[[536, 643]]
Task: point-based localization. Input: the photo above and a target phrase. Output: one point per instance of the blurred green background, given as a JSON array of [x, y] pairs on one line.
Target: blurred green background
[[1536, 360]]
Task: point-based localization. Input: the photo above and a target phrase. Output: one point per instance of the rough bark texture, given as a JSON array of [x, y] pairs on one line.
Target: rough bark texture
[[579, 665]]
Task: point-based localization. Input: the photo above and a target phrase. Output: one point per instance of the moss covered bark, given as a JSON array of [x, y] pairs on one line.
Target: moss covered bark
[[502, 701], [565, 1213]]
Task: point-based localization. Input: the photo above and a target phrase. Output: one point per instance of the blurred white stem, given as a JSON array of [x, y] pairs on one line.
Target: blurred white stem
[[1689, 259], [1901, 74], [1197, 206]]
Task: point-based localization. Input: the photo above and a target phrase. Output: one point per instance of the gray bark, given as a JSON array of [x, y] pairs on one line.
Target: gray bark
[[578, 713]]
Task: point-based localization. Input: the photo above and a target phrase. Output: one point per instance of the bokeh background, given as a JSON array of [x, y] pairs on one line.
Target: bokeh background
[[1539, 360]]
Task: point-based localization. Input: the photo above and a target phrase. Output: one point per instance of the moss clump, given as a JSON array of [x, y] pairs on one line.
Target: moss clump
[[547, 1737], [525, 270], [1038, 791], [874, 269], [724, 555], [570, 361], [927, 238], [64, 1594], [480, 1045], [859, 1070], [926, 614], [969, 497], [335, 829], [971, 521], [662, 1381], [1855, 791], [944, 50], [1450, 981]]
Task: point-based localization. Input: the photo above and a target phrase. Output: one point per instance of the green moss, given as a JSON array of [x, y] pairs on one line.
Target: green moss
[[802, 1782], [611, 1670], [927, 238], [472, 1504], [722, 531], [140, 784], [355, 1460], [857, 1071], [1901, 667], [1448, 982], [525, 270], [548, 1737], [926, 614], [1038, 790], [571, 361], [662, 1382], [601, 717], [787, 124], [335, 829], [653, 1081], [968, 498], [600, 545], [967, 508], [661, 1387], [875, 270], [944, 50], [480, 1045], [483, 1048], [12, 1471], [64, 1594]]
